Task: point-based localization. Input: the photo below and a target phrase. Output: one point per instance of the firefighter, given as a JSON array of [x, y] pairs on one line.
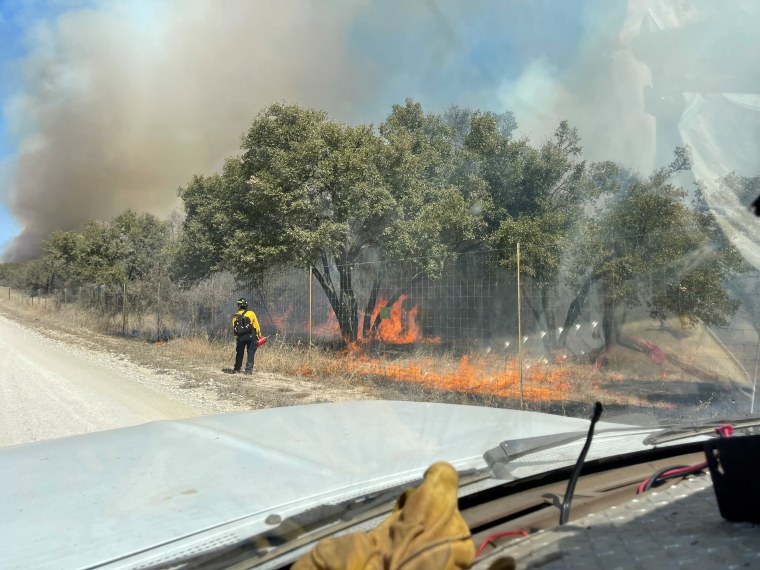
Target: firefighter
[[245, 327]]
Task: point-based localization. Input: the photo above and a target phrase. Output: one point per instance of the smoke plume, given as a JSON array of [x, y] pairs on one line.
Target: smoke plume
[[120, 107], [122, 102]]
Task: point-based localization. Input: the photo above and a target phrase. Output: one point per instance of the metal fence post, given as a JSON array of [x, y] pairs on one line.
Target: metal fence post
[[213, 303], [124, 311], [519, 328], [310, 303], [158, 311]]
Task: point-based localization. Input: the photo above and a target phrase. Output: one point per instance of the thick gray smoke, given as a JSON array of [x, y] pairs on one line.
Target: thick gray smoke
[[120, 105]]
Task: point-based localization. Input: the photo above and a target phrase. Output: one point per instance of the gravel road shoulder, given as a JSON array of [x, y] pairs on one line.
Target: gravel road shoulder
[[194, 379]]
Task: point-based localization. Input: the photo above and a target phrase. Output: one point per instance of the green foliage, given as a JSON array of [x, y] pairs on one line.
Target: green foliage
[[63, 252], [304, 188], [544, 241], [29, 275], [436, 214], [311, 192], [206, 229], [650, 246], [8, 274], [130, 247], [144, 242]]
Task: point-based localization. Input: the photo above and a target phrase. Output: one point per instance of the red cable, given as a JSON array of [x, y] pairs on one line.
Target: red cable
[[490, 537], [672, 473], [723, 431]]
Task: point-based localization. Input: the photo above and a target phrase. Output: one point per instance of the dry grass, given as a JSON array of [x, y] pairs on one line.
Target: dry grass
[[295, 373], [196, 349]]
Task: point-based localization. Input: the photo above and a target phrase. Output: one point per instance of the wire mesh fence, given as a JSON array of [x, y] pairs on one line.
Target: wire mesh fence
[[628, 335]]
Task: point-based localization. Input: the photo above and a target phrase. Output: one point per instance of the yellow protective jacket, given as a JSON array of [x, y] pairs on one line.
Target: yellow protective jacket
[[251, 315], [424, 531]]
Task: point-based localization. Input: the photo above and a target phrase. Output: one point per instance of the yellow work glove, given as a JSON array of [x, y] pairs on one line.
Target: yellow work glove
[[425, 530]]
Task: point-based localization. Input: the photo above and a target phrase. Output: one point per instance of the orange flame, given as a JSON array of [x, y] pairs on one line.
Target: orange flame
[[484, 375], [397, 329], [329, 327], [487, 376], [280, 321]]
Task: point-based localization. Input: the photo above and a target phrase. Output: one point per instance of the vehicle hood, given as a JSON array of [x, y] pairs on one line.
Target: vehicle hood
[[141, 494]]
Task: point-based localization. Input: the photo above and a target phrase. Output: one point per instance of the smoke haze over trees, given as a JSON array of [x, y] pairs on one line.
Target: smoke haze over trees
[[307, 191], [116, 104]]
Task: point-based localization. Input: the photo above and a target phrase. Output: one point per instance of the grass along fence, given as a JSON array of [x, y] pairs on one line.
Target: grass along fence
[[460, 327]]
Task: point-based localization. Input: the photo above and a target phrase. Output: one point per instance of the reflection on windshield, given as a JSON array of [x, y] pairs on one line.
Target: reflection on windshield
[[517, 206], [599, 247]]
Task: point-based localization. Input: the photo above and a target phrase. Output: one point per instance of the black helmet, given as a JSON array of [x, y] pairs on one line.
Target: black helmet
[[242, 303]]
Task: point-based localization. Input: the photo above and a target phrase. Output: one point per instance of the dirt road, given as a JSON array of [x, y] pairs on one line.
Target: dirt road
[[49, 388]]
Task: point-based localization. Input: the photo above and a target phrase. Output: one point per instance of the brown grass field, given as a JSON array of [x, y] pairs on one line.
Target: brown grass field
[[288, 374]]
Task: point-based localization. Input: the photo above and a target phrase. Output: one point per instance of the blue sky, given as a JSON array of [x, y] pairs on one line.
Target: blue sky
[[115, 104], [479, 46]]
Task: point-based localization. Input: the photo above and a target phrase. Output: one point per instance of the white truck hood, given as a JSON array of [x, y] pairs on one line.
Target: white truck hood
[[140, 495]]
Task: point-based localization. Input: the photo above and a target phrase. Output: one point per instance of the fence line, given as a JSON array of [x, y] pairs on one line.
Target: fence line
[[466, 323]]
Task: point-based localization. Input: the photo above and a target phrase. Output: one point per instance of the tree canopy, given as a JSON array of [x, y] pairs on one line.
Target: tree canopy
[[308, 191], [129, 247]]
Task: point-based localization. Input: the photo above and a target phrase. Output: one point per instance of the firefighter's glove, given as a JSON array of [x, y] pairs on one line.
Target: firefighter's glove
[[425, 530]]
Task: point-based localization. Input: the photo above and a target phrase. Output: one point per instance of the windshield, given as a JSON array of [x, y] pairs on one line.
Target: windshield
[[228, 207]]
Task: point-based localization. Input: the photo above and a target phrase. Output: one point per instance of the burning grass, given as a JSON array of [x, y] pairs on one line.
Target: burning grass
[[478, 375], [422, 372]]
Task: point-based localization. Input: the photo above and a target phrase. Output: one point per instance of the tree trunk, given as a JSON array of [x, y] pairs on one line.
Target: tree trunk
[[325, 281], [371, 302], [609, 326], [575, 308], [539, 315], [123, 309], [343, 301], [550, 340], [348, 319]]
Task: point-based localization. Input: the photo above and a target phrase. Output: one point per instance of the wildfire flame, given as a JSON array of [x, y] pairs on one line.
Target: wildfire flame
[[485, 375], [399, 328], [329, 327], [280, 321]]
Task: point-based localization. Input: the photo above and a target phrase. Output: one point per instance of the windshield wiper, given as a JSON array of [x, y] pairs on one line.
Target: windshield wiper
[[508, 450], [686, 430], [498, 457]]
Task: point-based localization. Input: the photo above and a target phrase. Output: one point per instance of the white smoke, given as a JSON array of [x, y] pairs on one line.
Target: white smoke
[[120, 106], [122, 102]]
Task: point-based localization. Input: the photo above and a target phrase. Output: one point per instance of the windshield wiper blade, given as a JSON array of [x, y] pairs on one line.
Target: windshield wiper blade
[[498, 457], [686, 430]]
